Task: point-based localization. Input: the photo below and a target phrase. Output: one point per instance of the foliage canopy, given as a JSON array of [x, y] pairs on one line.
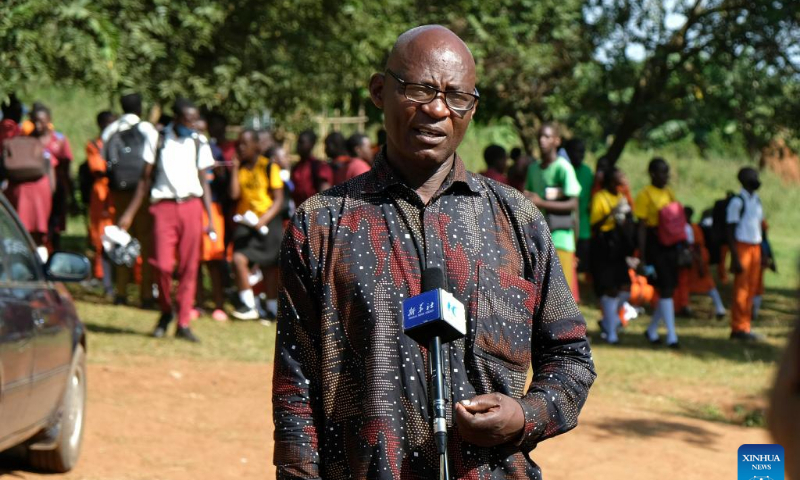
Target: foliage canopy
[[609, 69]]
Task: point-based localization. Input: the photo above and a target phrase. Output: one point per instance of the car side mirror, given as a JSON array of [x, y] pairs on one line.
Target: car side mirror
[[67, 267]]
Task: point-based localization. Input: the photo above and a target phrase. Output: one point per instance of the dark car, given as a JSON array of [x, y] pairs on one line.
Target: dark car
[[42, 350]]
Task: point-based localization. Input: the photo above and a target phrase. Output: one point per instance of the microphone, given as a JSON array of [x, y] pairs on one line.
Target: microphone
[[435, 312], [431, 318]]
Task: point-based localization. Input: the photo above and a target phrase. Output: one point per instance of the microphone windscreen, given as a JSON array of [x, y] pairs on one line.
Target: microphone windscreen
[[433, 278]]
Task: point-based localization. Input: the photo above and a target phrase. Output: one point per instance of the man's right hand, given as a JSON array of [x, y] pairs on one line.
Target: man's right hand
[[124, 222]]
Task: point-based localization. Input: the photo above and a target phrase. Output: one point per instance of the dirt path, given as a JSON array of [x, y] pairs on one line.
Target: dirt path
[[200, 420]]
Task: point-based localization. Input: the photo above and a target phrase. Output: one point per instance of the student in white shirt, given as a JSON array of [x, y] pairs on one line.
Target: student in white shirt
[[141, 226], [745, 216], [178, 192]]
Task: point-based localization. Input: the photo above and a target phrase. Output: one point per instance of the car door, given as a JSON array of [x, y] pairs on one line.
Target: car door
[[16, 328], [52, 351]]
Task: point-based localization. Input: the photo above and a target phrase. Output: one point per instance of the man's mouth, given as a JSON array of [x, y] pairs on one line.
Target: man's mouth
[[429, 135]]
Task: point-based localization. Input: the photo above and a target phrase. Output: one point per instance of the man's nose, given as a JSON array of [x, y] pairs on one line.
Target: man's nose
[[437, 108]]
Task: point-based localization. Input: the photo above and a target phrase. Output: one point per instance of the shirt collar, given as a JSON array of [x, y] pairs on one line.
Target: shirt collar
[[747, 195], [383, 176], [129, 118]]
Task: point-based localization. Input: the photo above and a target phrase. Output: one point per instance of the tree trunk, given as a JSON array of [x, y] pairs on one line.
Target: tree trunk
[[527, 126]]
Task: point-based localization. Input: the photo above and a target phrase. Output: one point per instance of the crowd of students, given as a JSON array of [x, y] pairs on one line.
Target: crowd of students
[[192, 198], [185, 195], [642, 251]]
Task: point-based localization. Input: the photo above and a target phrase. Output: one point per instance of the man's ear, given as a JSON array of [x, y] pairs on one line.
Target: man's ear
[[376, 84]]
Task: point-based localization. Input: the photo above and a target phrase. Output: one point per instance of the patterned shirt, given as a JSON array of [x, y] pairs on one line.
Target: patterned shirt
[[350, 389]]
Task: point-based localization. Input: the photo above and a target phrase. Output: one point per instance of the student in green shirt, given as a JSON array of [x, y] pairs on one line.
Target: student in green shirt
[[576, 152], [552, 186]]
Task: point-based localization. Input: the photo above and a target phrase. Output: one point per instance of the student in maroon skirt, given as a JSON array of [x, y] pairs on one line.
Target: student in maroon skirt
[[33, 200]]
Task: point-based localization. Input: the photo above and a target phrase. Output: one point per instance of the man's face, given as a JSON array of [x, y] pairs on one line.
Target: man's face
[[548, 141], [41, 122], [424, 135], [330, 149], [304, 146], [216, 129], [189, 117], [364, 150], [247, 146], [660, 175]]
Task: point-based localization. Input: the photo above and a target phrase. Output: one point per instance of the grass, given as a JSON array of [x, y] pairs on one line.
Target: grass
[[710, 377], [117, 333]]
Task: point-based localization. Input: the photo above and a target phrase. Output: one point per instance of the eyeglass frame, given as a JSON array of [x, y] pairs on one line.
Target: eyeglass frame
[[476, 95]]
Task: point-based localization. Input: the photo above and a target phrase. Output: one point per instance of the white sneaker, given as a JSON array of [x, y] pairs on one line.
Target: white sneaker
[[245, 313]]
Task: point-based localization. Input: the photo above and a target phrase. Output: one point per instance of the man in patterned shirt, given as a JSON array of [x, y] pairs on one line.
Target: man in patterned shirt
[[350, 394]]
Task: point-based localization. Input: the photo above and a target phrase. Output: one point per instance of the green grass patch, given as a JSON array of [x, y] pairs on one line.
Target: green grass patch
[[118, 332], [710, 377]]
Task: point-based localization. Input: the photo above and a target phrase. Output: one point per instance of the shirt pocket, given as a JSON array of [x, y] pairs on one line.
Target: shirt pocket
[[503, 319]]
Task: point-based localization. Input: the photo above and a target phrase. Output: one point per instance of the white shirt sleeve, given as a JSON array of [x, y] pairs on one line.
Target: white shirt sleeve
[[151, 137], [109, 130], [734, 212], [689, 234], [205, 158]]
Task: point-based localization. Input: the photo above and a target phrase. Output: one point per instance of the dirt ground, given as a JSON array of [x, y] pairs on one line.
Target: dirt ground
[[185, 420]]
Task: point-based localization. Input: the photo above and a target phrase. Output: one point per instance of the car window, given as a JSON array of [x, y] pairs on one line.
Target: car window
[[18, 263]]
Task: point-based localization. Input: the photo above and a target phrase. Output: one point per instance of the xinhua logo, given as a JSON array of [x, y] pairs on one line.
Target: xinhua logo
[[761, 462]]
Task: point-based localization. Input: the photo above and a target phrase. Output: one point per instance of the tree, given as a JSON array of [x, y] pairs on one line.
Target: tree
[[676, 44], [531, 57]]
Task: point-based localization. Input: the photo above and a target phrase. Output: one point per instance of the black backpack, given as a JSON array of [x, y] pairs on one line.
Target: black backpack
[[717, 234], [125, 159]]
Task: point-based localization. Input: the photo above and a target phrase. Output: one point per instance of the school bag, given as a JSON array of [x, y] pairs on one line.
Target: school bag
[[125, 159], [24, 159], [671, 224], [718, 233]]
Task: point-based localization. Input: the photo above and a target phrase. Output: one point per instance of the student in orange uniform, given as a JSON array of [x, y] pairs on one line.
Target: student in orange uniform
[[699, 279], [745, 216], [101, 210]]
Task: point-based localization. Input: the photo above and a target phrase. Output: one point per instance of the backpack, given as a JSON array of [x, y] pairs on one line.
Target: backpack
[[24, 159], [718, 232], [671, 224], [125, 158]]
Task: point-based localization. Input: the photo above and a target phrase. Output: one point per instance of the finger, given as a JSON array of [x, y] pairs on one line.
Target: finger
[[481, 403], [463, 417]]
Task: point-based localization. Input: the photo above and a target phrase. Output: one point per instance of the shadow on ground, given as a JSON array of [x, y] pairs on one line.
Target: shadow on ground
[[13, 464], [646, 429], [700, 346]]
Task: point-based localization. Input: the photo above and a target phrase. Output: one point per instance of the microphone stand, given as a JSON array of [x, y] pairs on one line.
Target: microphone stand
[[439, 408]]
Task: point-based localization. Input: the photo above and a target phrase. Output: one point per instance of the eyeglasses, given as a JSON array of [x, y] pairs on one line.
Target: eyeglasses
[[419, 93]]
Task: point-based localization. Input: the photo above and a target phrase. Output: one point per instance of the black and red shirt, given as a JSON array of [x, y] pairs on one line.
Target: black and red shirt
[[350, 389]]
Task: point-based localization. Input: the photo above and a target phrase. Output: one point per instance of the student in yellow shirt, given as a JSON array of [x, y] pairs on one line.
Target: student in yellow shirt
[[257, 186], [662, 258], [610, 245]]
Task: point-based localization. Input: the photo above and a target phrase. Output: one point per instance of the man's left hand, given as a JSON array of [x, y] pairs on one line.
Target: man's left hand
[[489, 420]]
